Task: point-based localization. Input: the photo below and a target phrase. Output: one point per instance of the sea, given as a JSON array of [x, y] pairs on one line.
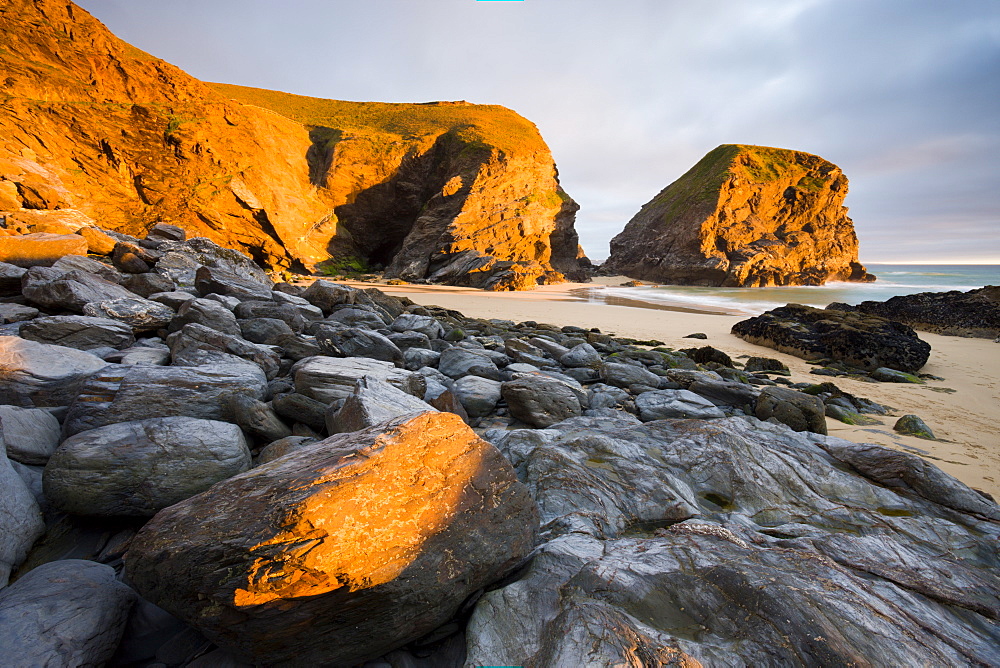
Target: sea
[[893, 280]]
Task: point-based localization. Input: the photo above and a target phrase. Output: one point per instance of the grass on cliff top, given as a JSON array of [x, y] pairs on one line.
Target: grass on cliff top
[[490, 124]]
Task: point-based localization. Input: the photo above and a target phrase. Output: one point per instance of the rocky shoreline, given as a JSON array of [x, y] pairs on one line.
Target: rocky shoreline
[[208, 468]]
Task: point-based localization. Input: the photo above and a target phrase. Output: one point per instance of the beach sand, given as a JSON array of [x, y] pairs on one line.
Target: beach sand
[[963, 410]]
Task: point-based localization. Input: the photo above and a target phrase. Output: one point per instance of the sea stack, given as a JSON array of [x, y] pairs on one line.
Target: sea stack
[[744, 216]]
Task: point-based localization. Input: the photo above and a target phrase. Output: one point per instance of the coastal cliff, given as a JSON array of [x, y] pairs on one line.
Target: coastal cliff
[[97, 132], [744, 216]]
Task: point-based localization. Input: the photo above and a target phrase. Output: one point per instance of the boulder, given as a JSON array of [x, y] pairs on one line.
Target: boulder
[[148, 284], [365, 317], [912, 425], [38, 374], [540, 400], [477, 396], [208, 313], [357, 342], [21, 522], [418, 358], [10, 279], [300, 408], [133, 469], [458, 362], [16, 313], [52, 288], [744, 216], [661, 404], [372, 401], [885, 375], [325, 295], [282, 447], [289, 313], [90, 265], [64, 613], [707, 354], [627, 375], [425, 324], [256, 417], [194, 337], [374, 538], [182, 259], [98, 241], [766, 365], [268, 331], [124, 394], [31, 434], [165, 232], [328, 378], [219, 281], [78, 331], [800, 411], [40, 249], [140, 314], [581, 356], [724, 392], [863, 341]]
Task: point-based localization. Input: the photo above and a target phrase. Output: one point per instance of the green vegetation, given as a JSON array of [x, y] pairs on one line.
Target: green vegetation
[[491, 125], [699, 185], [347, 265]]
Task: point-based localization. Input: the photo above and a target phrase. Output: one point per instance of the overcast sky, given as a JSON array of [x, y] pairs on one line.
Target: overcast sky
[[903, 95]]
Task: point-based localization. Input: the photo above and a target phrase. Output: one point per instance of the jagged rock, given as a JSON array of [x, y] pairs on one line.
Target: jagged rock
[[78, 331], [863, 341], [326, 379], [69, 263], [137, 468], [258, 309], [273, 563], [973, 313], [426, 325], [325, 295], [256, 417], [124, 394], [218, 281], [21, 521], [71, 290], [357, 342], [581, 356], [760, 534], [540, 400], [373, 401], [660, 404], [477, 396], [38, 374], [194, 337], [800, 411], [140, 314], [208, 313], [40, 249], [912, 425], [744, 216], [64, 613], [30, 434], [458, 362], [148, 284]]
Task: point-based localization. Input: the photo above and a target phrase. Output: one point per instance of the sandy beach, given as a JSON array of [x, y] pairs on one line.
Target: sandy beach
[[963, 410]]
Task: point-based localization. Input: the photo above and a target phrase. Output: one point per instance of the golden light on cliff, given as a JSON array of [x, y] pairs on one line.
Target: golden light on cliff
[[367, 524]]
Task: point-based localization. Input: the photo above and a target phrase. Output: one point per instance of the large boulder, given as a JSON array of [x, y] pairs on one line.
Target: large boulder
[[136, 468], [82, 332], [863, 341], [124, 394], [329, 378], [64, 613], [39, 248], [72, 290], [540, 400], [358, 342], [30, 434], [373, 401], [39, 374], [340, 550], [661, 404], [20, 520], [140, 314], [182, 259], [195, 338], [744, 216]]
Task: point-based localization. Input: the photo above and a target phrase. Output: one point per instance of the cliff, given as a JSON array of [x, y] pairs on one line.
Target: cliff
[[744, 216], [95, 131]]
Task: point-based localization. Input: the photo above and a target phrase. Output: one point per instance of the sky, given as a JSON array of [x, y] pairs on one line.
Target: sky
[[903, 95]]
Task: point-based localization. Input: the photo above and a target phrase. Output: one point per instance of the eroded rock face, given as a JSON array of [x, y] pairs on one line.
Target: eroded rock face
[[744, 216], [416, 187], [372, 538]]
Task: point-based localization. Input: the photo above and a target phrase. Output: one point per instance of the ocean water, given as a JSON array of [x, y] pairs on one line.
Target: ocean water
[[893, 280]]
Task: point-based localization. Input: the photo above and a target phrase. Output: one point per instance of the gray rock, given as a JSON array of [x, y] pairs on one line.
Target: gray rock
[[457, 362], [265, 330], [358, 317], [887, 375], [357, 342], [31, 434], [325, 295], [172, 299], [16, 313], [300, 408], [78, 331], [268, 309], [406, 340], [181, 260], [522, 351], [627, 375], [374, 538], [372, 401], [725, 392], [90, 265], [219, 281], [124, 394], [479, 396], [208, 313], [71, 290], [328, 378], [10, 279], [550, 347], [540, 400], [148, 284], [140, 314], [166, 232], [297, 347], [661, 404], [425, 324], [20, 522], [38, 374], [158, 356], [137, 468], [282, 447], [912, 425], [766, 364], [417, 358], [64, 613], [194, 337], [256, 417], [581, 356], [800, 411], [607, 396]]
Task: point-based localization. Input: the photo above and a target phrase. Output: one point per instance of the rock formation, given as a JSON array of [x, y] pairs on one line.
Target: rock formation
[[975, 313], [744, 216], [93, 129]]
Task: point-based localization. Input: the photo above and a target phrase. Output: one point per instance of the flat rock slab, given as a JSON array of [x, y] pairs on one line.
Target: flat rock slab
[[373, 538], [133, 469], [78, 331], [63, 613], [373, 401], [39, 374], [40, 248], [124, 394], [328, 378], [72, 290]]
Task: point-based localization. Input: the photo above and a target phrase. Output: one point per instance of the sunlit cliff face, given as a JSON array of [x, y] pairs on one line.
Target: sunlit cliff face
[[368, 523]]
